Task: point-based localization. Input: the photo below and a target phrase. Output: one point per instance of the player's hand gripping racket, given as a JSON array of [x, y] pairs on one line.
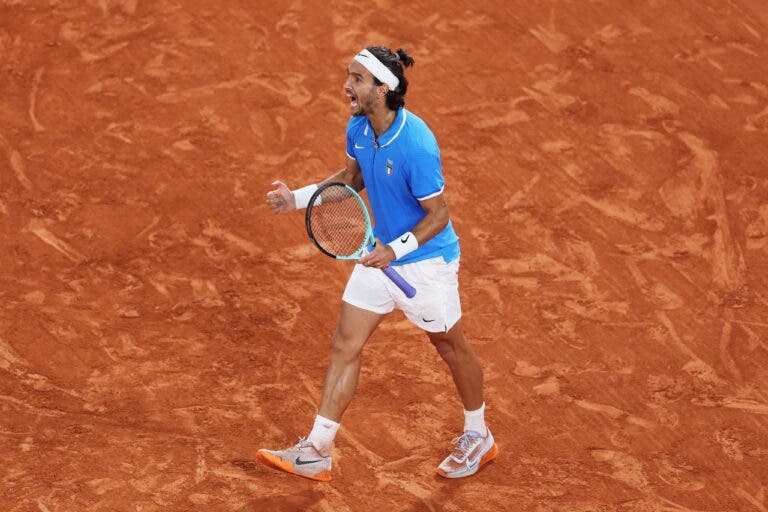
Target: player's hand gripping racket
[[339, 225]]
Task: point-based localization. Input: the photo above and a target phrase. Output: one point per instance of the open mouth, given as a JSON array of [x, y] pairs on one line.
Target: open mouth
[[352, 99]]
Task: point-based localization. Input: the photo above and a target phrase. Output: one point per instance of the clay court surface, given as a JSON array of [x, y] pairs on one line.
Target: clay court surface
[[607, 172]]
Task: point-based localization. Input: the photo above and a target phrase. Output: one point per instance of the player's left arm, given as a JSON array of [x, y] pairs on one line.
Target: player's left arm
[[435, 220], [425, 179]]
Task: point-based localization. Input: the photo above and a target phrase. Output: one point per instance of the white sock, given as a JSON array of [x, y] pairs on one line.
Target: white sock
[[475, 420], [323, 432]]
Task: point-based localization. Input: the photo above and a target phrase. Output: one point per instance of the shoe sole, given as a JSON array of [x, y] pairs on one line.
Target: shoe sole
[[274, 462], [485, 459]]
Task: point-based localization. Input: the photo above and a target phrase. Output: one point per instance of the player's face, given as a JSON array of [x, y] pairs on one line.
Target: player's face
[[360, 89]]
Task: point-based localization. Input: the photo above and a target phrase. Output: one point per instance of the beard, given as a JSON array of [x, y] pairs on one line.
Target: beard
[[364, 106]]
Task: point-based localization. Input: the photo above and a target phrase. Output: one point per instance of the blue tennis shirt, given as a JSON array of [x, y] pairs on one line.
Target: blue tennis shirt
[[399, 169]]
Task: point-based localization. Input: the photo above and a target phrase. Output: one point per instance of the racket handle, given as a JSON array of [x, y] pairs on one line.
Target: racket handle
[[401, 283]]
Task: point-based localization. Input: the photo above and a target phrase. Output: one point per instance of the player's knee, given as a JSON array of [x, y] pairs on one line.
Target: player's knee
[[449, 344], [444, 346], [345, 346], [444, 349]]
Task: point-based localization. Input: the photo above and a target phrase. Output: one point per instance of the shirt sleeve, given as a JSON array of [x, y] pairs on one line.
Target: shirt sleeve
[[350, 140], [425, 175]]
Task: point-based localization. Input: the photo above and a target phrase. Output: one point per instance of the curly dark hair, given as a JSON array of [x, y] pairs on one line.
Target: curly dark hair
[[396, 61]]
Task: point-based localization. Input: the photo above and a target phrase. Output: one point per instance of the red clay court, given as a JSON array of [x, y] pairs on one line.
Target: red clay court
[[607, 172]]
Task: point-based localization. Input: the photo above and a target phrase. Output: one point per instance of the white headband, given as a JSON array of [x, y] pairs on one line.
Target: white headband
[[377, 69]]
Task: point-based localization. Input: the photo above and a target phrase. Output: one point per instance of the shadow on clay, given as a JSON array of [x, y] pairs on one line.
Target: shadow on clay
[[248, 466], [303, 500]]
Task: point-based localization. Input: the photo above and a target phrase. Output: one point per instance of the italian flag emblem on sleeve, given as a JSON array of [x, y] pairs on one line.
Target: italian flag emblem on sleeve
[[389, 167]]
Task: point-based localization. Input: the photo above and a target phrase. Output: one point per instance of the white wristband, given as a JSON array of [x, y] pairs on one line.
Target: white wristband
[[303, 195], [404, 244]]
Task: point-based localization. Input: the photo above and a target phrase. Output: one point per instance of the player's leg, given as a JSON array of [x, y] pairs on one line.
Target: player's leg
[[354, 328], [365, 302], [475, 446], [465, 368], [437, 310], [311, 457]]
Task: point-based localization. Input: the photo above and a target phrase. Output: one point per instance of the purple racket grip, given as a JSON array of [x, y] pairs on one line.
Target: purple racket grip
[[401, 283]]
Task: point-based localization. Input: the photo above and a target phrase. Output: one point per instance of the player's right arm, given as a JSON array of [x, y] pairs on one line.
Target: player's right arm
[[349, 175], [283, 200]]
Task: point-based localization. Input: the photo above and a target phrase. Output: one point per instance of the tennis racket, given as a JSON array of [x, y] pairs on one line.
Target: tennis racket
[[339, 225]]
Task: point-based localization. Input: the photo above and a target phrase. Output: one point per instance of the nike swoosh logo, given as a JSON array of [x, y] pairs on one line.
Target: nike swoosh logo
[[300, 462], [403, 240], [359, 147], [472, 465], [425, 320]]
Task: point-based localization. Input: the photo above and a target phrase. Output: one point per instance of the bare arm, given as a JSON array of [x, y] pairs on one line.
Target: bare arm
[[350, 174], [282, 200], [434, 221]]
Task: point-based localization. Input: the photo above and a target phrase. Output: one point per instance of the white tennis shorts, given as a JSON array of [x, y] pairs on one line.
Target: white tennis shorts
[[436, 307]]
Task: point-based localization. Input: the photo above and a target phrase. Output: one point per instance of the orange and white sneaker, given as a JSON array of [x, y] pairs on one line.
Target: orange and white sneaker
[[302, 459], [472, 452]]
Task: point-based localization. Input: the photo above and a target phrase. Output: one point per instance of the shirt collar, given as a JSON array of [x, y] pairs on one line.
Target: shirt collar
[[393, 131]]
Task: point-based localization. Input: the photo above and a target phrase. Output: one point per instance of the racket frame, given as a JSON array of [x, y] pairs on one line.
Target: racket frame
[[369, 239]]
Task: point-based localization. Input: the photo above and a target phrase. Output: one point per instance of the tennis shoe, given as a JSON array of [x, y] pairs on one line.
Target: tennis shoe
[[471, 452], [301, 459]]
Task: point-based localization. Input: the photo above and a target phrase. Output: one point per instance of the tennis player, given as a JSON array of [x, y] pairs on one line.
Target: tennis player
[[393, 155]]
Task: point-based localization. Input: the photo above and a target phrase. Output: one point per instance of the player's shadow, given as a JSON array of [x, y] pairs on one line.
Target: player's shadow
[[300, 500], [445, 491], [303, 500]]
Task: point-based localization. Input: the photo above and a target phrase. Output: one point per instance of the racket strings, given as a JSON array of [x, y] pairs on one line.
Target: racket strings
[[338, 222]]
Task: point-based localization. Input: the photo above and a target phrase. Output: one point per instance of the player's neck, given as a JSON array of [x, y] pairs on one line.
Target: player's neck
[[381, 119]]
